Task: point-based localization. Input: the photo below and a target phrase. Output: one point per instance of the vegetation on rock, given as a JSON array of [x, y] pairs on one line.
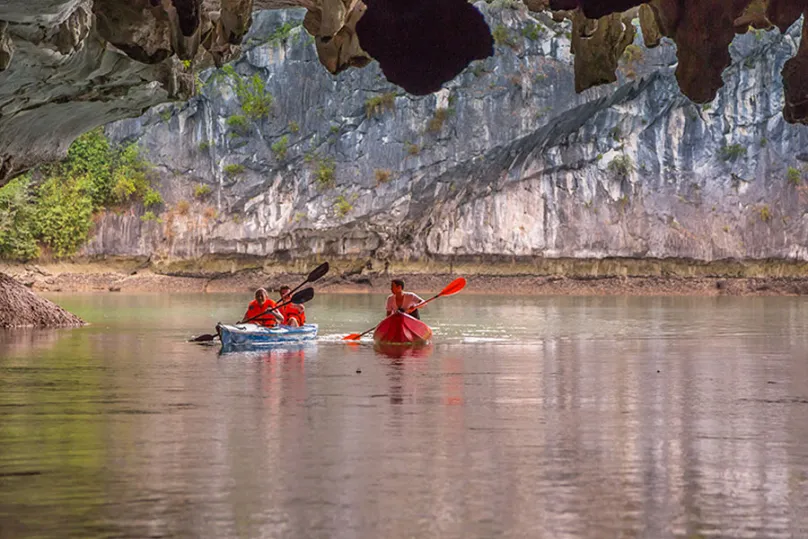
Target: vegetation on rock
[[52, 207]]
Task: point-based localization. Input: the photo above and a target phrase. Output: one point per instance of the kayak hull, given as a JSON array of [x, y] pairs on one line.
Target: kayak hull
[[253, 336], [401, 329]]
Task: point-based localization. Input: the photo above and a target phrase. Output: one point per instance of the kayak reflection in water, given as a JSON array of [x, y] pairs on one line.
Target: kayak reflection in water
[[259, 305], [406, 302], [293, 314]]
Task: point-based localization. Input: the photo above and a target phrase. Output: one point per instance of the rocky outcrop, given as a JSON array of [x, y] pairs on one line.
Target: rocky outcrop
[[67, 66], [498, 166], [702, 31], [19, 307]]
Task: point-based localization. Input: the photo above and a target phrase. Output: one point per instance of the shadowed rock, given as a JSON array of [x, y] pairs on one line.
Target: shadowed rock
[[421, 44], [19, 307]]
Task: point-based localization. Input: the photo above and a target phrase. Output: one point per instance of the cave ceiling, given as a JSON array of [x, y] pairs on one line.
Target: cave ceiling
[[67, 66]]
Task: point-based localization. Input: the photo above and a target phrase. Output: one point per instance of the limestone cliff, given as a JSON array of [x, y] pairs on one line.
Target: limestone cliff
[[67, 66], [504, 163]]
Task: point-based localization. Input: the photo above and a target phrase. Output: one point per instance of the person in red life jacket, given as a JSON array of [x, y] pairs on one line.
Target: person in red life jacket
[[293, 314], [406, 302], [259, 305]]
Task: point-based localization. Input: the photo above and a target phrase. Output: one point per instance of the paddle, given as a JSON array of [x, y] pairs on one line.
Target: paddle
[[452, 288], [300, 297], [315, 274]]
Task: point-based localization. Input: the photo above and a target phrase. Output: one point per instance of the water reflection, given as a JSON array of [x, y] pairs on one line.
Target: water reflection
[[581, 417], [399, 351]]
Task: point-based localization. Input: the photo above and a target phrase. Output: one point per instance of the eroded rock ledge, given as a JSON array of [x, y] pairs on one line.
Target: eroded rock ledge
[[67, 66], [19, 307]]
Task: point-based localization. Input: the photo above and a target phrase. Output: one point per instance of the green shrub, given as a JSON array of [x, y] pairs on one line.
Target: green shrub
[[152, 198], [238, 122], [150, 216], [17, 217], [503, 36], [412, 148], [794, 176], [282, 33], [280, 146], [201, 190], [342, 206], [294, 127], [205, 145], [324, 173], [64, 212], [765, 214], [532, 31], [256, 101], [732, 152], [378, 104], [621, 165], [233, 169]]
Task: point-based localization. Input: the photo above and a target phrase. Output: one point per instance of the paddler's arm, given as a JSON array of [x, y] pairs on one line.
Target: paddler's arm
[[417, 305]]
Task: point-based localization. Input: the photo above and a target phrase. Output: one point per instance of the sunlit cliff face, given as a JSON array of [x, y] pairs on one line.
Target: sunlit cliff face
[[67, 66]]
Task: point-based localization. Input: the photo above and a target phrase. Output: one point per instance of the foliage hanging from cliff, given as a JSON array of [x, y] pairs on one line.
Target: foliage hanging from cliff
[[53, 206], [256, 101], [64, 209], [17, 234]]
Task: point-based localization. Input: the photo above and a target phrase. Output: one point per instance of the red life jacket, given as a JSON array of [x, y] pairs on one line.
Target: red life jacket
[[268, 319], [293, 311]]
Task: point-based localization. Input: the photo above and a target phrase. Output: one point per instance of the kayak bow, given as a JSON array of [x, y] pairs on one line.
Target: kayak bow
[[400, 328]]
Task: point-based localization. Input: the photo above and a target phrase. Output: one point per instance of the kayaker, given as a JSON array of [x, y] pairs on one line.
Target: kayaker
[[406, 302], [293, 314], [259, 305]]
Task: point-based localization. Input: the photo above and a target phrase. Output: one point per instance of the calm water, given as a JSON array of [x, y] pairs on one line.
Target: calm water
[[541, 418]]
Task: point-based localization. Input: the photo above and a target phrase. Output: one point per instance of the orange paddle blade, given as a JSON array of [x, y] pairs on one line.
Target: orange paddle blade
[[454, 287], [352, 337]]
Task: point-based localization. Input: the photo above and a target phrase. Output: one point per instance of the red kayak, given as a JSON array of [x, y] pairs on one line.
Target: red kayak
[[400, 328]]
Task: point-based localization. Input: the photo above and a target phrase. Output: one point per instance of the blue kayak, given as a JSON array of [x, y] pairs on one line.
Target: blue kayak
[[251, 336]]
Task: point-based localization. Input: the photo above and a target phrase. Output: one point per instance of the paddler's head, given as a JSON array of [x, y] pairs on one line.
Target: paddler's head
[[261, 295], [397, 286], [286, 293]]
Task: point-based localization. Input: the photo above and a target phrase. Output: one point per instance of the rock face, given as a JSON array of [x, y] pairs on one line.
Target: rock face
[[19, 307], [67, 66], [503, 164]]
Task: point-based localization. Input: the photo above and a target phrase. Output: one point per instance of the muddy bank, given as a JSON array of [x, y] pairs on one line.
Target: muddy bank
[[20, 307], [135, 278]]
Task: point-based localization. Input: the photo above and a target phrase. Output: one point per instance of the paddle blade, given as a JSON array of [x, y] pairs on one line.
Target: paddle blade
[[207, 337], [352, 337], [454, 287], [317, 272], [303, 296]]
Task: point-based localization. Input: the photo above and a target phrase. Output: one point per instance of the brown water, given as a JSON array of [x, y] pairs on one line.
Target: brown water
[[541, 418]]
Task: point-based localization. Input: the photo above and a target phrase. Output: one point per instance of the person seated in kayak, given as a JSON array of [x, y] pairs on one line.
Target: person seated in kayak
[[293, 314], [406, 302], [260, 305]]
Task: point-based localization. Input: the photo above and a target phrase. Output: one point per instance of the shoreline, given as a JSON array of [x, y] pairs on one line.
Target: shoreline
[[102, 277]]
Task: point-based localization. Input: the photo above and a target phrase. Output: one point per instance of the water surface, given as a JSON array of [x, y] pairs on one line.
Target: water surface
[[540, 417]]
